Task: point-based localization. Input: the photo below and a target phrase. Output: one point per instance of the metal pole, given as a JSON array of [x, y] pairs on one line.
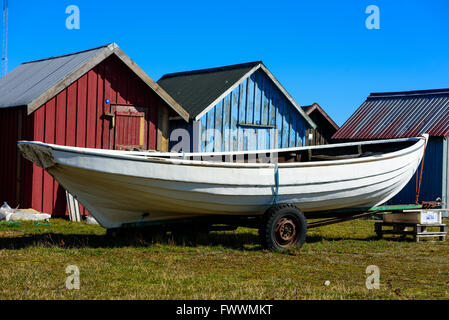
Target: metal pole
[[4, 61]]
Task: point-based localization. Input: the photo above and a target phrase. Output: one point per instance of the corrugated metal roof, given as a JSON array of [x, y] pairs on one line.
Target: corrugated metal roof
[[29, 80], [399, 114], [196, 90], [32, 83]]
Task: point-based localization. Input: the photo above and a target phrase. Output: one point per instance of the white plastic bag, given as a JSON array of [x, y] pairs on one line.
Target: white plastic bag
[[9, 214], [19, 215], [5, 211], [91, 220]]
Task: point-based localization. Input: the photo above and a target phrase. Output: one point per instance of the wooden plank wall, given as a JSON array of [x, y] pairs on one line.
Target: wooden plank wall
[[324, 131], [317, 138], [74, 117], [8, 159], [254, 116]]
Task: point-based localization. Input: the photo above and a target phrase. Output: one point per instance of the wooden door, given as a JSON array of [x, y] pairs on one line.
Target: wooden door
[[258, 138], [129, 128]]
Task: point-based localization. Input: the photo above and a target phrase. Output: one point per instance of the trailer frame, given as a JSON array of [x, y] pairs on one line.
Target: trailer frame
[[226, 222]]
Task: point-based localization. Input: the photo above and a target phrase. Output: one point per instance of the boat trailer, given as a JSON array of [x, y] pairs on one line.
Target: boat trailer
[[281, 227]]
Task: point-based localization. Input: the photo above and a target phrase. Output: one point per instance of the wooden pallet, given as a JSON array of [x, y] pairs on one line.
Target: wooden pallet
[[417, 231]]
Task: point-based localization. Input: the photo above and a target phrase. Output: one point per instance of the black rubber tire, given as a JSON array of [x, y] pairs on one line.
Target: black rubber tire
[[271, 238]]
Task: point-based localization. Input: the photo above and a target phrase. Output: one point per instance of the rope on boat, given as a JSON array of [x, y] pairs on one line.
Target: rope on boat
[[276, 181], [418, 181]]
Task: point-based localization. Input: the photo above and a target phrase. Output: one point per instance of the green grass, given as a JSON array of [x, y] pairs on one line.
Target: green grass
[[221, 265]]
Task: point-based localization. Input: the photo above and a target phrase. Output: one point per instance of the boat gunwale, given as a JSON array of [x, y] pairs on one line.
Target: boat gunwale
[[153, 157]]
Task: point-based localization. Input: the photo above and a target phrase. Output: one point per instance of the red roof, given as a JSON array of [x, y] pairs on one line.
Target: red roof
[[399, 114], [316, 107]]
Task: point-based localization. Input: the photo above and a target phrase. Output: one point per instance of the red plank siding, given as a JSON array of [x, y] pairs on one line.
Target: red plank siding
[[59, 199], [4, 136], [100, 94], [81, 107], [71, 114], [153, 123], [121, 80], [75, 117], [10, 186], [61, 117], [91, 112], [49, 137], [38, 135], [8, 159], [108, 95], [26, 178]]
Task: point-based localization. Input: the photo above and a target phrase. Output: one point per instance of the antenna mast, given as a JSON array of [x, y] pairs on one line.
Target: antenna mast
[[4, 61]]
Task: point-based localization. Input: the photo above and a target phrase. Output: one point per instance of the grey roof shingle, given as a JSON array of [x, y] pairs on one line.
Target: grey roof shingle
[[196, 90], [29, 80]]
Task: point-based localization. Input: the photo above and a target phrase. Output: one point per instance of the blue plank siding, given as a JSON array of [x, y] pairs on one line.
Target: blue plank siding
[[227, 122], [210, 126], [218, 138], [241, 113], [250, 117], [234, 119], [431, 185], [253, 116]]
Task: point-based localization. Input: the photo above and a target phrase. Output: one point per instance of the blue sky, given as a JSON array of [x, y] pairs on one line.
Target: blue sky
[[320, 51]]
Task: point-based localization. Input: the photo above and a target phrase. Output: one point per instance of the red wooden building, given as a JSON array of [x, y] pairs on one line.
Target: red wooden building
[[98, 98]]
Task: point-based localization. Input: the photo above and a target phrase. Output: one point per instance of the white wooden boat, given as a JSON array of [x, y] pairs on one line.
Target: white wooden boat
[[120, 187]]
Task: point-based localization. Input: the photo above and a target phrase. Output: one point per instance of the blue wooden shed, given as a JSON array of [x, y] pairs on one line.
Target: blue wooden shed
[[234, 108], [387, 115]]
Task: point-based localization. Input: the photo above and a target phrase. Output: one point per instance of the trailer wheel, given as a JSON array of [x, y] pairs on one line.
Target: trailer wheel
[[283, 226]]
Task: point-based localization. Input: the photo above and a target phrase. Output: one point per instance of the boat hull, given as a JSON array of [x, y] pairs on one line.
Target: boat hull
[[128, 189]]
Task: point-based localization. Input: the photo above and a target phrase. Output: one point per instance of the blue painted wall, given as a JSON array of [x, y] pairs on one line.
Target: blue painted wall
[[254, 116], [432, 178]]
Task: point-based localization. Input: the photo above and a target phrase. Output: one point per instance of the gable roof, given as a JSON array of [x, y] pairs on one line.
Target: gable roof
[[399, 114], [199, 90], [195, 90], [315, 107], [33, 83]]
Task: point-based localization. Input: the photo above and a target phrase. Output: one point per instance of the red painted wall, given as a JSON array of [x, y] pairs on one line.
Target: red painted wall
[[8, 155], [74, 117]]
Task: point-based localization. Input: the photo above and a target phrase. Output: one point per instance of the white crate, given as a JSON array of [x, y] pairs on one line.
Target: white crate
[[414, 216], [431, 217]]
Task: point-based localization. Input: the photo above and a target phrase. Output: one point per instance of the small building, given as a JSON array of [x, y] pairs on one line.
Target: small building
[[408, 114], [326, 127], [235, 108], [98, 98]]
